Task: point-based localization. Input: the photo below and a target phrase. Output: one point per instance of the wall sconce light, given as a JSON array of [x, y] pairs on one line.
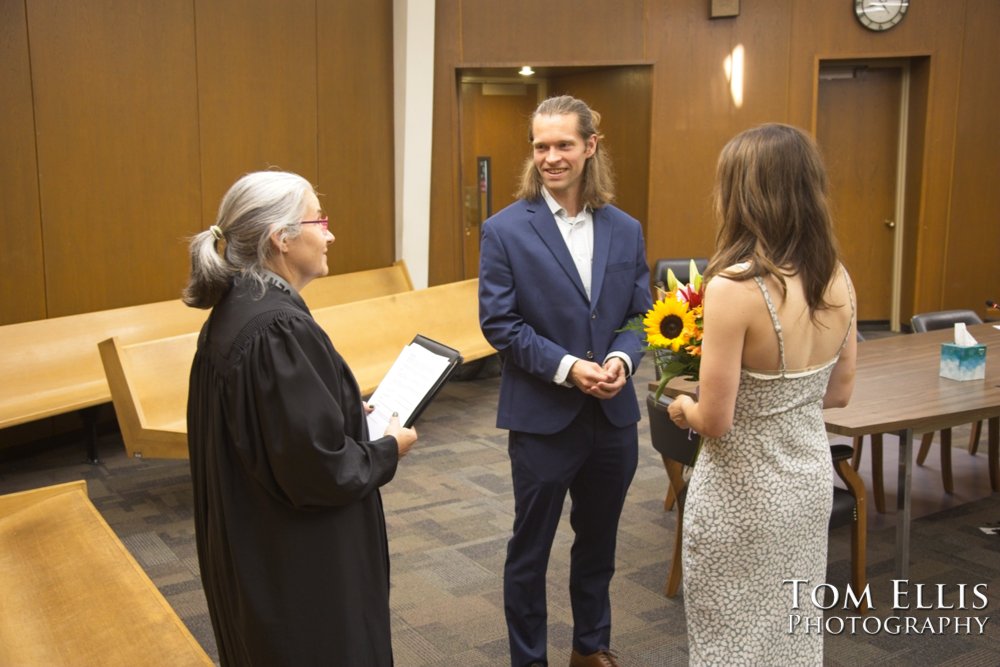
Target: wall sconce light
[[526, 71], [734, 67]]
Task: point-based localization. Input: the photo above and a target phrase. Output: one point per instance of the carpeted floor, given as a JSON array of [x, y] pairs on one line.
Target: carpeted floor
[[449, 512]]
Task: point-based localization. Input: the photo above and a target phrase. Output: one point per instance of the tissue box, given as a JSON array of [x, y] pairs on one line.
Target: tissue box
[[963, 363]]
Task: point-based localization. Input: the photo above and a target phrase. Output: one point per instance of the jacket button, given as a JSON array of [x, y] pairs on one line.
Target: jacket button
[[590, 355], [593, 315]]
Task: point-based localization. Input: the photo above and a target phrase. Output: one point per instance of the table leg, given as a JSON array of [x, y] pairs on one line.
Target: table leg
[[903, 504], [994, 444], [878, 484], [944, 448]]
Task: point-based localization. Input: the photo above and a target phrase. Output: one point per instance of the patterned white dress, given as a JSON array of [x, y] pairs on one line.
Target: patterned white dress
[[757, 514]]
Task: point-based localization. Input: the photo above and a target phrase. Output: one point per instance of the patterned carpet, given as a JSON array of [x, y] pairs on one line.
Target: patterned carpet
[[449, 512]]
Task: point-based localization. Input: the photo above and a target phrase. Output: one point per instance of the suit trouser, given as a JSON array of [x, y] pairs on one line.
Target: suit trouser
[[595, 461]]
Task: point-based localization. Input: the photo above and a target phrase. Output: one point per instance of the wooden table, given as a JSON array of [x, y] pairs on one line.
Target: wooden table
[[898, 390]]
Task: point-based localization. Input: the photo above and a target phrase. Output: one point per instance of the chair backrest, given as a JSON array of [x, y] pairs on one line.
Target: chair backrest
[[680, 267], [942, 319], [679, 444]]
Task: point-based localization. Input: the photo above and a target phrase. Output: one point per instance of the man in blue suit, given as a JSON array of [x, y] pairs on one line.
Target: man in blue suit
[[561, 272]]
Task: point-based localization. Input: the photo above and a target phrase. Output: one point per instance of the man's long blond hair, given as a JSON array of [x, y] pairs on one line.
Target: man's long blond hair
[[597, 183]]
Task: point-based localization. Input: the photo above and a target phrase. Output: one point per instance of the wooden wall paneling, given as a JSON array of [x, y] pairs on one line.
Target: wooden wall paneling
[[561, 32], [355, 131], [470, 99], [694, 113], [446, 245], [257, 91], [941, 28], [115, 110], [623, 97], [829, 31], [472, 33], [973, 252], [916, 152], [22, 263], [492, 125], [499, 129], [692, 116]]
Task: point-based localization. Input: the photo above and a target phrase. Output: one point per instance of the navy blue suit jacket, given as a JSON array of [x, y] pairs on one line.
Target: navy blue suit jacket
[[533, 309]]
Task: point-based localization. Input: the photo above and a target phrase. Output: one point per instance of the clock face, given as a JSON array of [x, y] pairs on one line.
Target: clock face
[[880, 14]]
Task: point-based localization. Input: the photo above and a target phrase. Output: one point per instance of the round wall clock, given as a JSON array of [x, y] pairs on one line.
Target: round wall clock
[[880, 15]]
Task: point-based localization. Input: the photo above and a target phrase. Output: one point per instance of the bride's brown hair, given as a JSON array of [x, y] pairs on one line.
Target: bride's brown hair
[[772, 205]]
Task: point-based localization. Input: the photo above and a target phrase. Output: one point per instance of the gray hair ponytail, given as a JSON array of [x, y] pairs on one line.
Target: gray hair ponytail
[[256, 206]]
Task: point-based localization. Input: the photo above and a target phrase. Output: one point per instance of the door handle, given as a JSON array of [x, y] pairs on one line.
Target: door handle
[[891, 224]]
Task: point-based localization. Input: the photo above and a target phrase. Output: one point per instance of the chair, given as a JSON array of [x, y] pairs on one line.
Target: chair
[[678, 451], [680, 267], [922, 323]]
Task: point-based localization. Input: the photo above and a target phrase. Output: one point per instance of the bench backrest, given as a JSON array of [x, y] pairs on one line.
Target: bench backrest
[[356, 286], [149, 389], [149, 381], [52, 367], [72, 592], [370, 334]]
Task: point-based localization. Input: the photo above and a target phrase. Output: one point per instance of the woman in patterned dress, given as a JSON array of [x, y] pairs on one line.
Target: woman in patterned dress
[[779, 346]]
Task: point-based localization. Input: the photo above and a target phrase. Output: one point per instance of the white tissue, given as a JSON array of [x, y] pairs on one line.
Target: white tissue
[[962, 336]]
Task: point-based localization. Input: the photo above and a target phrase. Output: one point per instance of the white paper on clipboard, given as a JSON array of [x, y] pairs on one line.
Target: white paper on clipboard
[[409, 385]]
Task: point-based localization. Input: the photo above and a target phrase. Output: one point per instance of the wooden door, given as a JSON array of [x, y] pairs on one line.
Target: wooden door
[[858, 129], [494, 125]]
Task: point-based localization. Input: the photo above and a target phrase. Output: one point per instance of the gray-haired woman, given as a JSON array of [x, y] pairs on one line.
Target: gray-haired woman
[[288, 517]]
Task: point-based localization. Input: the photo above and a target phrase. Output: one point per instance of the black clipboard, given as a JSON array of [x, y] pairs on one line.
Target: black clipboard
[[454, 361], [406, 389]]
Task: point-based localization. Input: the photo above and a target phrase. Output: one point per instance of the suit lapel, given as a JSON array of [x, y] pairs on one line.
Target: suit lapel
[[602, 249], [545, 226]]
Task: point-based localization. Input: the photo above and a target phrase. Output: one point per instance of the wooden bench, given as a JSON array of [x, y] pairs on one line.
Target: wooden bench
[[345, 287], [149, 380], [74, 595], [51, 367], [370, 334], [149, 387]]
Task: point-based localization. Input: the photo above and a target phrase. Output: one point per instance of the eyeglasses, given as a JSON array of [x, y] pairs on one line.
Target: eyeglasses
[[324, 222]]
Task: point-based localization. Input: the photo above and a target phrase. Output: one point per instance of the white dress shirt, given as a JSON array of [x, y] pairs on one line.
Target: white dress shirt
[[578, 233]]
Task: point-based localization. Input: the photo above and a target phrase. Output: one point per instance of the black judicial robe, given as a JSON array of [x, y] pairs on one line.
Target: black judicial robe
[[288, 518]]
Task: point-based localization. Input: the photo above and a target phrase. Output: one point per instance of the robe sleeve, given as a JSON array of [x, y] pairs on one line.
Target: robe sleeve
[[289, 398]]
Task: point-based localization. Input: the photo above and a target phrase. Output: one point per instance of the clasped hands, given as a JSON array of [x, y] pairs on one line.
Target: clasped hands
[[604, 382]]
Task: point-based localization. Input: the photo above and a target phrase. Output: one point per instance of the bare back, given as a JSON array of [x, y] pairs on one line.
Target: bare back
[[741, 337], [809, 342]]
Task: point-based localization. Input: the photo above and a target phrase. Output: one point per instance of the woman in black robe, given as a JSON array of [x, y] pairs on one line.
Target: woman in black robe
[[288, 518]]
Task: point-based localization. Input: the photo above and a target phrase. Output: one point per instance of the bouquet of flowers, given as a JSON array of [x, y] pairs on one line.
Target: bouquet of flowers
[[673, 328]]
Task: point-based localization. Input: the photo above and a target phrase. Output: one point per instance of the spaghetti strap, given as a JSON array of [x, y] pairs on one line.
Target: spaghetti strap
[[775, 322], [850, 297]]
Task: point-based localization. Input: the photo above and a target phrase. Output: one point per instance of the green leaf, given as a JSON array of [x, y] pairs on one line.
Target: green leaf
[[695, 278], [671, 280]]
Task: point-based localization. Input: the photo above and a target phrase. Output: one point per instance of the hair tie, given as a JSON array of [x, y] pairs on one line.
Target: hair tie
[[216, 232]]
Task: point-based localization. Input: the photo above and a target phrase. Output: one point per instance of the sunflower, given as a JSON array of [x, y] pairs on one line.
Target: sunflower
[[669, 324]]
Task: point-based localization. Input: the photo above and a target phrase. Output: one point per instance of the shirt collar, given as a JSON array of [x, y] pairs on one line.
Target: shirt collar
[[557, 209]]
